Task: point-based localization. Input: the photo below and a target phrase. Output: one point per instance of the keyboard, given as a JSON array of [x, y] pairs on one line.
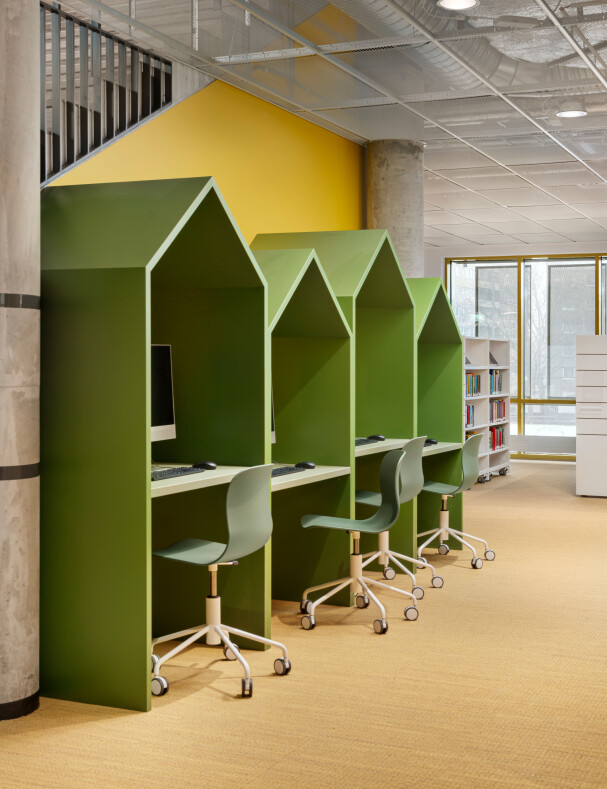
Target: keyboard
[[178, 471], [359, 442], [280, 470]]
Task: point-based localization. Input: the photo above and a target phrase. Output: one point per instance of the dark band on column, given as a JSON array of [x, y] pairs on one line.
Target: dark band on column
[[19, 472], [20, 300], [17, 709]]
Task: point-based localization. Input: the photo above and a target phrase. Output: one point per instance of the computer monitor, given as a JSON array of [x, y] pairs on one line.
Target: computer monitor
[[273, 424], [163, 411]]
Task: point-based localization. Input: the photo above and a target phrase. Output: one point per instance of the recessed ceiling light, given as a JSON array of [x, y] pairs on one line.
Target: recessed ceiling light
[[457, 5], [571, 109]]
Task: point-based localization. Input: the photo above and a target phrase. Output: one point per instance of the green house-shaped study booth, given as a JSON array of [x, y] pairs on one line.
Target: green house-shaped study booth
[[439, 395], [125, 265], [312, 418], [364, 273]]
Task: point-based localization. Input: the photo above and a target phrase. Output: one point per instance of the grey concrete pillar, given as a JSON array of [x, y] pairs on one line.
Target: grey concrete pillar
[[19, 354], [395, 198]]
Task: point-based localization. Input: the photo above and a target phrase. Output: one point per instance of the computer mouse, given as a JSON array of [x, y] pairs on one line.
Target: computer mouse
[[377, 437], [206, 464], [305, 464], [430, 441]]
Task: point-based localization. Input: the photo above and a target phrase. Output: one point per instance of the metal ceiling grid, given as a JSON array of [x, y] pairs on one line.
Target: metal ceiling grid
[[377, 68]]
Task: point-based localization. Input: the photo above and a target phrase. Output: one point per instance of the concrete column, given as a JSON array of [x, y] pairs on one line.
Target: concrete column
[[19, 354], [395, 198]]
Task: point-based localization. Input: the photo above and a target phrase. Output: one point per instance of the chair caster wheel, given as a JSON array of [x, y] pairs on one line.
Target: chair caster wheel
[[380, 626], [229, 654], [247, 688], [305, 607], [477, 563], [389, 573], [362, 601], [282, 666], [154, 661], [411, 613], [160, 686], [437, 582], [418, 592], [443, 549], [308, 622], [489, 555]]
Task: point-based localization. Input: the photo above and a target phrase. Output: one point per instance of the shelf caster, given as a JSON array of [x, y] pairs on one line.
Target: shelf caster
[[247, 688], [380, 626], [154, 662], [229, 654], [443, 549], [418, 592], [489, 555], [362, 601], [389, 573], [160, 686], [477, 563], [411, 613], [308, 622], [437, 582], [282, 666], [480, 480], [504, 471], [305, 607]]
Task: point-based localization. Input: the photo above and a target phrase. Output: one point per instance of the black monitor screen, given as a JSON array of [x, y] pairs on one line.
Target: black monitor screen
[[163, 414]]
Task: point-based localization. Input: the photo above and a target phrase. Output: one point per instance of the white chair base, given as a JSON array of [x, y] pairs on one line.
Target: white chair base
[[363, 595], [445, 531], [384, 556], [216, 634]]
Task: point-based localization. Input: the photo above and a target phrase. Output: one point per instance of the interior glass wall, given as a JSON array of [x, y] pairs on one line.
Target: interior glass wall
[[539, 305]]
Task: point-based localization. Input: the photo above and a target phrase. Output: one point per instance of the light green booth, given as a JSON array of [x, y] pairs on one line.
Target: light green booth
[[125, 265], [313, 416], [439, 394]]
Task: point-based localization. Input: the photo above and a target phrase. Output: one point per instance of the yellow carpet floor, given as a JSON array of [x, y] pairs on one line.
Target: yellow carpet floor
[[501, 682]]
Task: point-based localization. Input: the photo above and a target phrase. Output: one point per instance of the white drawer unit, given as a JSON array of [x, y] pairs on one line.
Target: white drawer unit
[[591, 394], [591, 411], [591, 427], [587, 361], [591, 377], [591, 415]]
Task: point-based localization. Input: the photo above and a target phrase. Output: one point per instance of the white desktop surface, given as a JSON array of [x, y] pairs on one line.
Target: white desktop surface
[[398, 443], [224, 474]]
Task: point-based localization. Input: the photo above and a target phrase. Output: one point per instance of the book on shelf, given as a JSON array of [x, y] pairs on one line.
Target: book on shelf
[[497, 410], [495, 381], [473, 384], [496, 438], [492, 358], [469, 416]]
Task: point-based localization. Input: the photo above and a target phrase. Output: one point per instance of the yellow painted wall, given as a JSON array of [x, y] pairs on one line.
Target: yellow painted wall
[[277, 172]]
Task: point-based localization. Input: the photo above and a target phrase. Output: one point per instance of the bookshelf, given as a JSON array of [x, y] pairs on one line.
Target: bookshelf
[[487, 402]]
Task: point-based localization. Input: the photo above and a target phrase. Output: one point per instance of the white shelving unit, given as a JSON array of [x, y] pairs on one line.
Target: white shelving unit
[[591, 415], [489, 361]]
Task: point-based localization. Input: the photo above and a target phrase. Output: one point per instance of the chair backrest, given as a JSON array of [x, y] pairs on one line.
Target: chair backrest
[[411, 470], [389, 484], [248, 512], [470, 452]]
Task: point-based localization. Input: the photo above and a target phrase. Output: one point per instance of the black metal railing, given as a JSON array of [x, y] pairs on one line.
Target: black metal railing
[[93, 86]]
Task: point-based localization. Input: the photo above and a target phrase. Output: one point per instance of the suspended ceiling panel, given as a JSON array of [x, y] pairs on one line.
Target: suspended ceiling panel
[[481, 87]]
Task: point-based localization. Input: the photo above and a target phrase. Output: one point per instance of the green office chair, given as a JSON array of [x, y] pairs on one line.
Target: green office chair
[[249, 528], [411, 484], [380, 521], [469, 476]]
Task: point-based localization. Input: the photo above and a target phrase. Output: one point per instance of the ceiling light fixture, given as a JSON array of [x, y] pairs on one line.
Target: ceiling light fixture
[[571, 109], [457, 5]]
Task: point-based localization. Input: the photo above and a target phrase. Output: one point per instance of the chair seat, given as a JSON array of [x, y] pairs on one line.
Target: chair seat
[[201, 552], [343, 524], [440, 488], [368, 497]]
